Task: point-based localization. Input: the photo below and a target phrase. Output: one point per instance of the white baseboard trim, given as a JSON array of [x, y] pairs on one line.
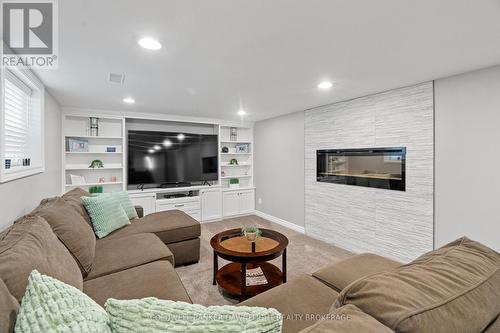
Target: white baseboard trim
[[279, 221]]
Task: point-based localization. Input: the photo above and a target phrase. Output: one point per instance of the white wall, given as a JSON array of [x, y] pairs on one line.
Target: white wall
[[279, 167], [20, 196], [467, 187]]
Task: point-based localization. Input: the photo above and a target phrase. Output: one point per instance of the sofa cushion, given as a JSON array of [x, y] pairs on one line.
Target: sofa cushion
[[106, 213], [170, 226], [158, 315], [156, 279], [9, 307], [31, 244], [186, 252], [114, 255], [73, 198], [342, 273], [302, 301], [347, 319], [50, 305], [71, 229], [124, 201], [453, 289]]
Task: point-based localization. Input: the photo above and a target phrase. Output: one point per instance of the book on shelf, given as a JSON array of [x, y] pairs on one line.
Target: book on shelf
[[255, 277]]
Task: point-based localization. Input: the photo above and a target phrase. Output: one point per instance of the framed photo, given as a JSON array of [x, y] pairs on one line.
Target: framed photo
[[77, 145], [242, 148], [77, 180]]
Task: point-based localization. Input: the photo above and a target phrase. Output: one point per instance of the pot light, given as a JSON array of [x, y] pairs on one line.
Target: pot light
[[156, 147], [180, 136], [241, 112], [151, 151], [325, 85], [129, 100], [149, 43], [167, 143]]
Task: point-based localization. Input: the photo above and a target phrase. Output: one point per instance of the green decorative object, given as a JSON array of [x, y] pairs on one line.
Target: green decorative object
[[234, 183], [96, 189], [96, 164], [161, 316], [106, 214], [251, 233], [50, 305], [233, 161]]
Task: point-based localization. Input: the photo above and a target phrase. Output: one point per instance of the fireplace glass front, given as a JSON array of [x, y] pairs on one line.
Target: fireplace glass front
[[372, 167]]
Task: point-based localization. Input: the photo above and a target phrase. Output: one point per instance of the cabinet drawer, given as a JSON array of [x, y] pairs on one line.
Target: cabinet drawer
[[188, 205]]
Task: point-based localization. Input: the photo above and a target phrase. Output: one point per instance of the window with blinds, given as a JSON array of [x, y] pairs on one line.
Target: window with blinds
[[21, 126], [17, 120]]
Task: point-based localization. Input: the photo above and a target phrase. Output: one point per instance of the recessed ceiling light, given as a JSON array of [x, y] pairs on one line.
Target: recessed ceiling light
[[325, 85], [129, 100], [180, 136], [151, 151], [241, 112], [156, 147], [149, 43], [167, 143]]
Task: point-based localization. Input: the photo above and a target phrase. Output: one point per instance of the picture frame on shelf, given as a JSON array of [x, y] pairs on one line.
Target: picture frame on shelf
[[78, 145], [77, 180], [242, 148]]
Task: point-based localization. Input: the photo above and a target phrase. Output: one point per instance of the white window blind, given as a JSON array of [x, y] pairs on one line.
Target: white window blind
[[18, 110], [21, 132]]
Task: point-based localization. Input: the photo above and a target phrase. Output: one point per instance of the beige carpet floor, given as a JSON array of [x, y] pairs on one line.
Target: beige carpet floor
[[304, 256]]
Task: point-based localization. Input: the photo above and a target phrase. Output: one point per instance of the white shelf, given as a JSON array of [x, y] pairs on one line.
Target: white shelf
[[242, 188], [85, 167], [236, 176], [236, 153], [94, 184], [236, 165], [94, 137], [94, 152], [237, 142]]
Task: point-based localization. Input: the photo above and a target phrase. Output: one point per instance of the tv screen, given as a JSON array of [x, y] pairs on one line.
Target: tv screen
[[164, 158]]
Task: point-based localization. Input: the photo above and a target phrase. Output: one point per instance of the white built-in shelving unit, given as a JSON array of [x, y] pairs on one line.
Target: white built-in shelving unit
[[244, 169], [111, 134]]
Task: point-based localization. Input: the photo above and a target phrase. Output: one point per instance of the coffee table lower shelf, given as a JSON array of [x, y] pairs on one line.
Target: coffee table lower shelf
[[229, 280]]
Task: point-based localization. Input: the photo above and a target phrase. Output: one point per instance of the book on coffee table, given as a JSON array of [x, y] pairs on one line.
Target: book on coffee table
[[255, 277]]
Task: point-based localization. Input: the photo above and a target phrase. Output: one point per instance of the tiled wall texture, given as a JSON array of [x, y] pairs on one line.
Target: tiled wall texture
[[390, 223]]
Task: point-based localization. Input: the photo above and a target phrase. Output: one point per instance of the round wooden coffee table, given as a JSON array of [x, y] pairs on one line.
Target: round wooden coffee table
[[231, 278]]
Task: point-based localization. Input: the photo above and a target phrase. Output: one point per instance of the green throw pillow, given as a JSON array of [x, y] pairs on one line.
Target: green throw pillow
[[106, 214], [124, 201], [155, 316], [50, 305]]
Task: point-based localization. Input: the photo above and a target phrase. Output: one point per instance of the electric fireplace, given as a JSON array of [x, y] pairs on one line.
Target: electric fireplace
[[370, 167]]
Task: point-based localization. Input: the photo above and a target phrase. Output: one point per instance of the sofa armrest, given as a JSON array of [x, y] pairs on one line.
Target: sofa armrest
[[348, 318], [341, 274], [139, 210]]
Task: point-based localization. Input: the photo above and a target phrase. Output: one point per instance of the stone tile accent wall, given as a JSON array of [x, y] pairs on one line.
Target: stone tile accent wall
[[390, 223]]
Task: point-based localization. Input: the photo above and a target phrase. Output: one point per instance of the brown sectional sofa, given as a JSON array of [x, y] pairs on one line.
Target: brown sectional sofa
[[453, 289], [57, 239]]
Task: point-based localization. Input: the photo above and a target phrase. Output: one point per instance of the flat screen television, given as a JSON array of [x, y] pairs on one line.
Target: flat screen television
[[157, 159]]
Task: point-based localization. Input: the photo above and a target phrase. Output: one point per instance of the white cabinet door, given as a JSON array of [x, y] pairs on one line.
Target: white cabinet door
[[231, 203], [146, 201], [211, 204], [247, 201]]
